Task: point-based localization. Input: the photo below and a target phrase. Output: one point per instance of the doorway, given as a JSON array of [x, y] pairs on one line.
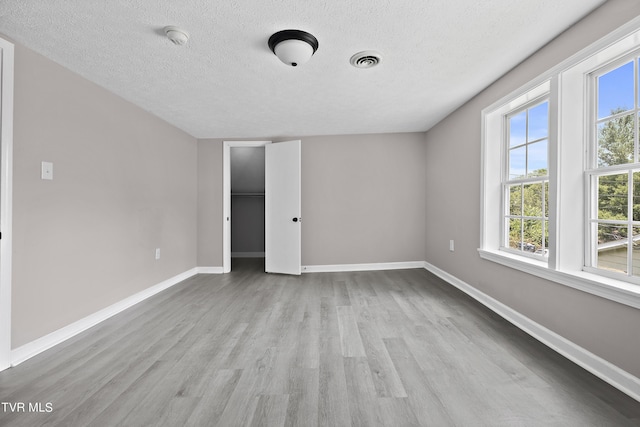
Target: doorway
[[247, 165], [248, 196], [282, 205], [6, 188]]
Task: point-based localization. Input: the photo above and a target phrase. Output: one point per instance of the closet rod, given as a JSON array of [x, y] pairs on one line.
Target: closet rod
[[247, 194]]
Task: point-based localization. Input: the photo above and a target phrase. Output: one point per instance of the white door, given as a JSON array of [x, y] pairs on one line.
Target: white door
[[282, 208], [6, 176]]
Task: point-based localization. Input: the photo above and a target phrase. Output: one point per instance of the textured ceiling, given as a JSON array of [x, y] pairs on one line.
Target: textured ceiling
[[226, 83]]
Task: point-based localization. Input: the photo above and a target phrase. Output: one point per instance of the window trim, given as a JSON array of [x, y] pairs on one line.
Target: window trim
[[565, 265]]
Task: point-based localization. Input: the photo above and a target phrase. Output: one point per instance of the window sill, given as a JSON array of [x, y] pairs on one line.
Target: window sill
[[611, 289]]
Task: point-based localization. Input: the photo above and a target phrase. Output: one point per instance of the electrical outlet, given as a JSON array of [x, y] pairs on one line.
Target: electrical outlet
[[47, 171], [451, 247], [157, 253]]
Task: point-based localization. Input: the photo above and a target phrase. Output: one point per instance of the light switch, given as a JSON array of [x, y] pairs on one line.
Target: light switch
[[47, 170]]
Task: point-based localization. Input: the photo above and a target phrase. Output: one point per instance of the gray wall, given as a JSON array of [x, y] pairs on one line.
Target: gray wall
[[210, 195], [452, 162], [363, 199], [124, 184]]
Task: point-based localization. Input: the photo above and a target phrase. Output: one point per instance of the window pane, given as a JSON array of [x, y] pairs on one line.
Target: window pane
[[611, 233], [612, 247], [533, 200], [515, 226], [613, 196], [518, 129], [616, 91], [515, 200], [517, 162], [532, 235], [636, 196], [537, 159], [546, 199], [636, 251], [539, 122], [615, 141]]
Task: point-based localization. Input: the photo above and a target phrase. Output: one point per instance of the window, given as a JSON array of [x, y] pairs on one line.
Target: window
[[613, 172], [561, 172], [526, 184]]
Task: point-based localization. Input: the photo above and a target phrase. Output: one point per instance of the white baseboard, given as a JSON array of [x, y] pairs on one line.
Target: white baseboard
[[39, 345], [210, 270], [362, 267], [608, 372], [247, 254]]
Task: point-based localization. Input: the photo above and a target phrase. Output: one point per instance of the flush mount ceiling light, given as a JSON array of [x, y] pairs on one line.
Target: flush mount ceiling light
[[366, 59], [293, 47], [177, 35]]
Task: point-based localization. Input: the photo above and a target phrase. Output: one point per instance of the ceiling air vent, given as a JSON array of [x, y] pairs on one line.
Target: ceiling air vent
[[366, 59]]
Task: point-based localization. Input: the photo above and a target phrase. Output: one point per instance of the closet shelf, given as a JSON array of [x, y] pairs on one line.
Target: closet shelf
[[247, 194]]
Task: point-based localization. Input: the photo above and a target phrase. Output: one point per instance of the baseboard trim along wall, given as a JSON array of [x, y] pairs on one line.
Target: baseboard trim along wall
[[618, 378], [362, 267], [210, 270], [39, 345]]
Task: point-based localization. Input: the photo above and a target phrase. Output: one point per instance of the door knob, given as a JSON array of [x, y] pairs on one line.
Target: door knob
[[296, 219]]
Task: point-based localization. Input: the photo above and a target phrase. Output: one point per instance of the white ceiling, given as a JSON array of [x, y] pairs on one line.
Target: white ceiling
[[226, 82]]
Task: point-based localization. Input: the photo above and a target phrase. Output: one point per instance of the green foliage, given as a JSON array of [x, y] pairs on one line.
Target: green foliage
[[529, 200], [615, 140], [615, 147]]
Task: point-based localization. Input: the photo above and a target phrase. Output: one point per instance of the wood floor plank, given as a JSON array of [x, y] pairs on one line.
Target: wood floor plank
[[303, 397], [341, 293], [397, 412], [333, 407], [242, 404], [424, 401], [271, 410], [350, 339], [385, 378], [389, 348], [215, 398], [329, 339], [308, 341], [361, 392]]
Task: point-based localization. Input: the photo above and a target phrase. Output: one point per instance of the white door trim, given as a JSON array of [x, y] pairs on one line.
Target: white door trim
[[6, 195], [226, 196]]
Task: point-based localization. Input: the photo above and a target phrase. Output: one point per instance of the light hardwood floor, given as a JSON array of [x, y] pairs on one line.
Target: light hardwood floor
[[394, 348]]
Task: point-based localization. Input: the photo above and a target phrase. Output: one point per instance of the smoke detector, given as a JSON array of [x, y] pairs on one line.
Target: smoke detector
[[366, 59], [177, 35]]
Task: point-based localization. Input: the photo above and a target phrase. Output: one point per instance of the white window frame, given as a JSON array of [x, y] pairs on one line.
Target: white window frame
[[593, 171], [568, 186], [507, 181]]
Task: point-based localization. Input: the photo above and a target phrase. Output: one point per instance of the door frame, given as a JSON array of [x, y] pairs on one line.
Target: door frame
[[6, 196], [226, 197]]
